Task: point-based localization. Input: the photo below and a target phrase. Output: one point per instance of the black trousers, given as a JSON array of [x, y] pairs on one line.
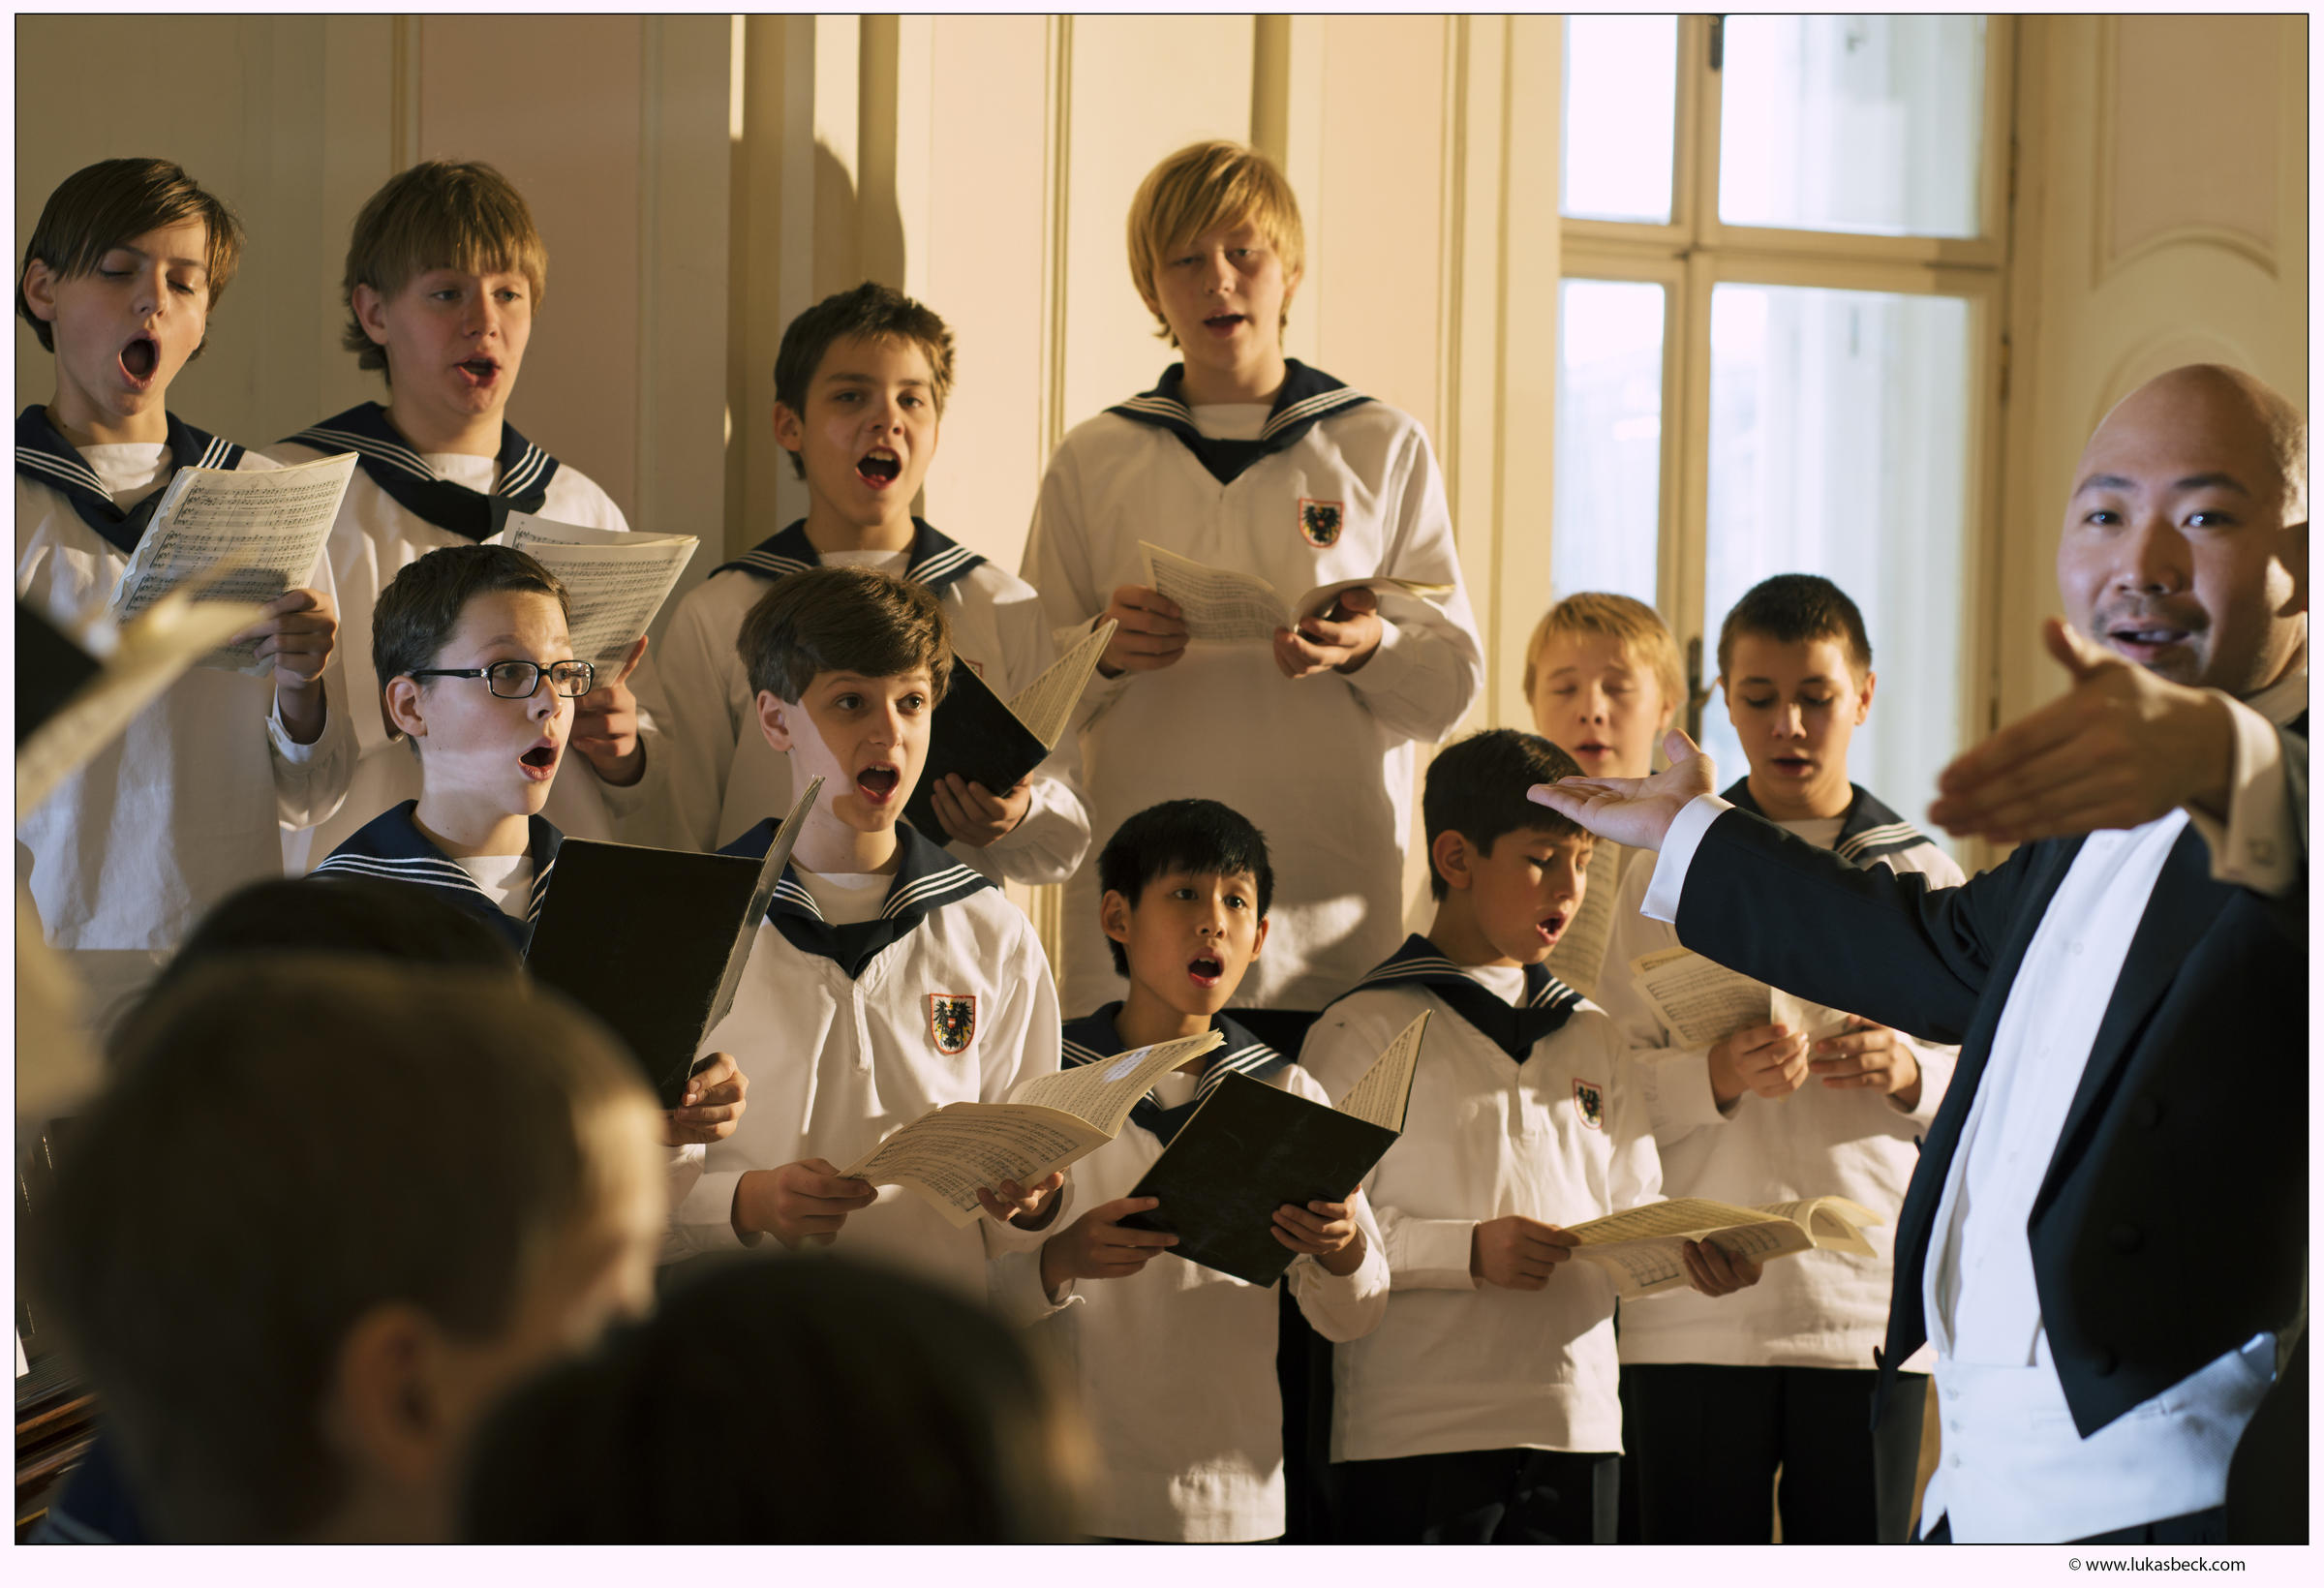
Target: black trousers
[[1710, 1442], [2196, 1527], [1480, 1497]]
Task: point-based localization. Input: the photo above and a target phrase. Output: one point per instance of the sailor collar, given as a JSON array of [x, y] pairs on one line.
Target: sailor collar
[[1308, 395], [1093, 1037], [935, 560], [926, 881], [1513, 1029], [396, 467], [1867, 832], [392, 848], [46, 458]]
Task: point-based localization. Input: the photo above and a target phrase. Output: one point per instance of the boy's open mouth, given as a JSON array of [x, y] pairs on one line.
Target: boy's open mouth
[[539, 762], [879, 783], [479, 370], [142, 357], [1224, 323], [1205, 969], [879, 467], [1794, 766], [1551, 928]]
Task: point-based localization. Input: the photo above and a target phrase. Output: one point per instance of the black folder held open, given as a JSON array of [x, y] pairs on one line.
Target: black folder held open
[[995, 742]]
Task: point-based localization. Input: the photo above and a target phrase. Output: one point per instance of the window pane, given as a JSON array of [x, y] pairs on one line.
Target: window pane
[[1840, 445], [1869, 124], [1609, 471], [1621, 115]]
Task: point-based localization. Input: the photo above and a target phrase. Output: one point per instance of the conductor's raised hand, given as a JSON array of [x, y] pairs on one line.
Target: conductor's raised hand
[[1518, 1253], [800, 1202], [605, 725], [295, 639], [1769, 1062], [711, 1107], [1634, 811], [974, 816], [1714, 1270], [1341, 640], [1150, 631], [1097, 1246], [1028, 1208], [1326, 1231], [2121, 748], [1867, 1056]]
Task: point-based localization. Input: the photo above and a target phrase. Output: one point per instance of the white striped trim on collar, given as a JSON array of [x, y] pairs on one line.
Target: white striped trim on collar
[[434, 873], [1081, 1054], [540, 890], [214, 455], [1902, 834], [369, 446], [1396, 969], [1168, 407], [1312, 408], [774, 563], [1553, 991], [71, 470], [519, 477], [932, 890], [799, 896], [945, 562]]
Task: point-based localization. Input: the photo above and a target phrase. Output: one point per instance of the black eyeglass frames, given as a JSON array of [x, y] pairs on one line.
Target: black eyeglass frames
[[521, 679]]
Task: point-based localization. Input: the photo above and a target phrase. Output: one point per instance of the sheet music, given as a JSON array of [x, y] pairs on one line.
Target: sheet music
[[1104, 1092], [1381, 1096], [616, 581], [254, 535], [1046, 705], [1817, 1020], [1701, 1002], [1217, 604], [946, 1155], [1580, 953]]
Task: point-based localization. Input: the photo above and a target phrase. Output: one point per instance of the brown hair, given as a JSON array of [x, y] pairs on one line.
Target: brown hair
[[416, 615], [102, 206], [845, 620], [230, 1207], [1205, 185], [1631, 623], [1476, 787], [1793, 608], [440, 215], [873, 313]]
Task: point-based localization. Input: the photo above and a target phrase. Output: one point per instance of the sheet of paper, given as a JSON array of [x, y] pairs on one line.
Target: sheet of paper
[[1217, 604], [1699, 1001], [243, 537], [946, 1155], [616, 581], [1580, 954], [1834, 1224], [1323, 597], [1688, 1218], [1381, 1096], [1046, 705], [1104, 1092], [1817, 1020], [1642, 1250]]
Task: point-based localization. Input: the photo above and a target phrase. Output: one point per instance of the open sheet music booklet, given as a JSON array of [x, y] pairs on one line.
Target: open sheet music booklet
[[1251, 1147], [653, 941], [1221, 604], [615, 579], [231, 536], [999, 743], [1048, 1122], [1703, 1002], [1640, 1250]]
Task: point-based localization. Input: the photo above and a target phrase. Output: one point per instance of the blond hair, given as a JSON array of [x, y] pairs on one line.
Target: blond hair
[[1632, 623], [440, 215], [114, 202], [1207, 185]]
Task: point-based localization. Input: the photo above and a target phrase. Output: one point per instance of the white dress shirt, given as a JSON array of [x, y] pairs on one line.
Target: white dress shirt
[[2015, 1467]]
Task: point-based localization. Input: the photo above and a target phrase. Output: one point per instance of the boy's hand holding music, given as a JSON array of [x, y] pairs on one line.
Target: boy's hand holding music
[[1324, 1231], [972, 816], [1634, 811], [1097, 1247], [1012, 1204], [1325, 642], [1868, 1053], [301, 628], [605, 725], [1769, 1062], [1518, 1253], [713, 1107], [1150, 632], [798, 1203], [1713, 1270]]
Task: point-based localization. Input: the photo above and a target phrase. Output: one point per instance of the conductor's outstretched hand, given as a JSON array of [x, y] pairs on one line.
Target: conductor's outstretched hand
[[1634, 810]]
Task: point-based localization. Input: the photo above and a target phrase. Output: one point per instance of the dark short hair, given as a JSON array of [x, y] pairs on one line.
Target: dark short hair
[[289, 1141], [1199, 835], [845, 620], [1476, 787], [827, 1371], [415, 616], [102, 206], [873, 313], [438, 215], [1794, 608]]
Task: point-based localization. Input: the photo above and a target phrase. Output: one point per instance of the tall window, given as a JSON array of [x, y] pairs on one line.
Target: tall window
[[1780, 344]]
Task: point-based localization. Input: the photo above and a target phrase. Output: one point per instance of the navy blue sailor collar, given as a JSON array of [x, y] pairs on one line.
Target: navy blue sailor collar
[[1513, 1029], [926, 881], [1307, 396], [396, 467], [1093, 1037], [46, 458], [390, 846], [936, 560], [1869, 829]]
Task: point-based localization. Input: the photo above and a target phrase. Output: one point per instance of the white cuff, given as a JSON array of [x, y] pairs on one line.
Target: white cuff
[[1669, 880], [1388, 665], [286, 747], [2259, 846], [1676, 1085], [705, 1219], [1429, 1253], [1014, 1284]]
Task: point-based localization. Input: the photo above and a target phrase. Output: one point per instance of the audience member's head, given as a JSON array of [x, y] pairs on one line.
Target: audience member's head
[[325, 1212], [854, 1405]]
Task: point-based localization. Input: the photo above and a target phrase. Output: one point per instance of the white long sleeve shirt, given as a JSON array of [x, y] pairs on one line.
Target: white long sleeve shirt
[[1819, 1309], [374, 538], [2015, 1468], [722, 776], [1457, 1365], [184, 806], [1175, 1364], [1322, 766]]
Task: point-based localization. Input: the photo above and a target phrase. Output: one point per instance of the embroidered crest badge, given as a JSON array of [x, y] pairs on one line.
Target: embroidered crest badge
[[952, 1021], [1319, 522], [1589, 1101]]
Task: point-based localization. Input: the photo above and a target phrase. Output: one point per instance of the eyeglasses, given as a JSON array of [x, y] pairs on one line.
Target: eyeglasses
[[521, 679]]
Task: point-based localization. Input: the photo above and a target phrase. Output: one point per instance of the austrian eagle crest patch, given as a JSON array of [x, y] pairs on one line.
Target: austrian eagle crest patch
[[1589, 1101], [1319, 522], [952, 1021]]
